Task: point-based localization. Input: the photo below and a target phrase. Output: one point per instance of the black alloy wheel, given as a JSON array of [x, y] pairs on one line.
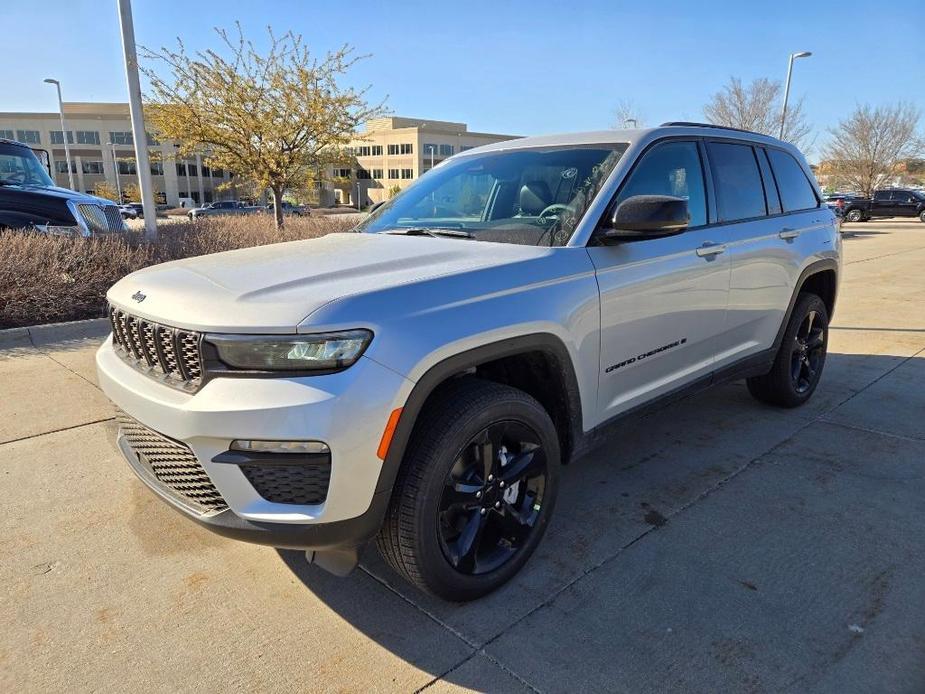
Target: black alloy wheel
[[807, 353], [492, 498]]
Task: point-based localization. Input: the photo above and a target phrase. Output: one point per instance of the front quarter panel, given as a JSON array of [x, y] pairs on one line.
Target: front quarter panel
[[420, 324]]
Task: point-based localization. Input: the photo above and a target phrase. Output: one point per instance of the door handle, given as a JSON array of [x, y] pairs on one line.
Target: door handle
[[710, 249], [787, 233]]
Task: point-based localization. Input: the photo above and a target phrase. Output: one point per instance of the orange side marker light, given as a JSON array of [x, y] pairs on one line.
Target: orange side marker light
[[389, 432]]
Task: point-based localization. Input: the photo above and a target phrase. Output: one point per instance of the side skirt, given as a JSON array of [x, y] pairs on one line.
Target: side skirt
[[754, 365]]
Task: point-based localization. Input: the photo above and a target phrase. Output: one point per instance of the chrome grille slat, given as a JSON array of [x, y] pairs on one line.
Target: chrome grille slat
[[100, 219], [169, 354], [172, 465]]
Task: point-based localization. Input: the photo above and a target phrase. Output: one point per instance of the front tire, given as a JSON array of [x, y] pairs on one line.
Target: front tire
[[475, 492], [922, 216], [800, 358], [854, 216]]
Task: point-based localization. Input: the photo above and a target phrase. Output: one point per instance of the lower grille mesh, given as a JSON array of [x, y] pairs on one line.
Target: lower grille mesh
[[290, 484], [172, 464]]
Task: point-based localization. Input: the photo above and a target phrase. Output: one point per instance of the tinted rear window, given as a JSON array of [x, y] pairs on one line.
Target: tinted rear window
[[739, 194], [796, 193]]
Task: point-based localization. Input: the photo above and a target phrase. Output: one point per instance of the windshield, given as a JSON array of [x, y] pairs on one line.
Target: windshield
[[523, 196], [19, 166]]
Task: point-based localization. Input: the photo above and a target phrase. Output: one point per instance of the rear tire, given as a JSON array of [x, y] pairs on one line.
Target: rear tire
[[462, 522], [922, 216], [800, 358]]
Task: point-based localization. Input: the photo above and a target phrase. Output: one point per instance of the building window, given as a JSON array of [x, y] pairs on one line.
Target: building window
[[363, 175], [406, 149], [393, 173], [157, 168], [407, 173], [193, 170], [205, 172], [152, 141], [350, 151], [121, 138], [377, 173], [342, 173], [128, 167], [61, 167], [446, 150], [57, 137], [364, 151], [181, 169], [30, 136], [88, 137], [463, 148], [92, 167], [376, 150], [429, 149], [6, 134], [217, 173]]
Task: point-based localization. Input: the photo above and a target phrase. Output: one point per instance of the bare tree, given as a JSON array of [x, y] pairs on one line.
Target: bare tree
[[756, 107], [627, 115], [268, 116], [867, 147]]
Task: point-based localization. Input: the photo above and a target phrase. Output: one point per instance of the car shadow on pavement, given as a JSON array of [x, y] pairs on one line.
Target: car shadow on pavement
[[652, 474]]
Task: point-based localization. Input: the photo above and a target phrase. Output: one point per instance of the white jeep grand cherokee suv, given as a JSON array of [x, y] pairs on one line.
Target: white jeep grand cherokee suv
[[422, 380]]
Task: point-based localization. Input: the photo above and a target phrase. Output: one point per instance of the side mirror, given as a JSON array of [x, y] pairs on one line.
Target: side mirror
[[376, 206], [647, 216]]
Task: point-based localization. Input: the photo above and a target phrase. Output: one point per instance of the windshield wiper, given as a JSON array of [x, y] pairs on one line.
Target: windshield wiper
[[435, 232]]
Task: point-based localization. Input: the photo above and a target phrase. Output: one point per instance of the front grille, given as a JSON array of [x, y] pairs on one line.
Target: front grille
[[168, 354], [100, 219], [290, 484], [172, 466]]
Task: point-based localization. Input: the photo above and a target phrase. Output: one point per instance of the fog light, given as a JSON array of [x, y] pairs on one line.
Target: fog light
[[280, 446]]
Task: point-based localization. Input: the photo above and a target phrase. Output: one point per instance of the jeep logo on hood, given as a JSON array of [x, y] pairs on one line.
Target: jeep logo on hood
[[139, 297]]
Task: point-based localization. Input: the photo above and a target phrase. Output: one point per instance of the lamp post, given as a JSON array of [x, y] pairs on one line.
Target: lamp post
[[627, 121], [115, 166], [431, 148], [67, 148], [783, 111], [139, 136]]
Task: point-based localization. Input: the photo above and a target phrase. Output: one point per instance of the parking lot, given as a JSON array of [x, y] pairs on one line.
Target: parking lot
[[720, 545]]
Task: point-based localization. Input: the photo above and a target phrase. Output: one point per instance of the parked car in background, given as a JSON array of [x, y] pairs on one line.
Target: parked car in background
[[29, 199], [223, 207], [128, 212], [890, 202], [422, 379], [291, 209], [139, 209]]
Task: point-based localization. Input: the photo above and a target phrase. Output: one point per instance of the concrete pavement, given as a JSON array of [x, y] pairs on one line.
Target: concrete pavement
[[720, 546]]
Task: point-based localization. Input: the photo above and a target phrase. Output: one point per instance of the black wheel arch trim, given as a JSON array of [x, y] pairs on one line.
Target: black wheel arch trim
[[814, 268], [458, 364]]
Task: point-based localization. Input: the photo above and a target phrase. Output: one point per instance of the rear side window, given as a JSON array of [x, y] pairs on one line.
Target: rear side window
[[671, 168], [882, 195], [796, 193], [739, 193], [770, 187]]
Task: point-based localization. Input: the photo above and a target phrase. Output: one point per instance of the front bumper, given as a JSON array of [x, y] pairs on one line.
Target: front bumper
[[347, 410]]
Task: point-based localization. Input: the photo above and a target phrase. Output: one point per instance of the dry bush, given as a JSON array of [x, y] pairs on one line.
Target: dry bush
[[46, 279]]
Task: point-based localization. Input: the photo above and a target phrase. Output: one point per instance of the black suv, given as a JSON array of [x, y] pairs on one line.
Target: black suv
[[891, 202], [29, 199]]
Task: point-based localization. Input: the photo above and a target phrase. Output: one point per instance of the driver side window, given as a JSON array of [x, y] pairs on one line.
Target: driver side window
[[671, 168]]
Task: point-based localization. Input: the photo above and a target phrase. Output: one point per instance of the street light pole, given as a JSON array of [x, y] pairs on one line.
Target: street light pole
[[67, 148], [630, 120], [138, 121], [783, 111], [431, 148], [115, 166]]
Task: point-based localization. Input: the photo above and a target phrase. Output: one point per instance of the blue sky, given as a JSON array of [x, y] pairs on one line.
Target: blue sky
[[507, 67]]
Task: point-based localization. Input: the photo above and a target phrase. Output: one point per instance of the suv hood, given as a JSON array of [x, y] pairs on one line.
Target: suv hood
[[271, 289]]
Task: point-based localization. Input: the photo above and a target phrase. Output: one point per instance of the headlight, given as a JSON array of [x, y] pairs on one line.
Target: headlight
[[321, 352]]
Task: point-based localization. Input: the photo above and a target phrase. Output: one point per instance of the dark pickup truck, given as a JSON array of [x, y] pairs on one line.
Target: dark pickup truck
[[30, 200], [892, 202]]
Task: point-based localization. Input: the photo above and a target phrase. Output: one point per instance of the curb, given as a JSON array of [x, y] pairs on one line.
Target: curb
[[46, 332]]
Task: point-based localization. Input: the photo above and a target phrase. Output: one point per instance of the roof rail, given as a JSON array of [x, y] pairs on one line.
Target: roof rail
[[691, 124]]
